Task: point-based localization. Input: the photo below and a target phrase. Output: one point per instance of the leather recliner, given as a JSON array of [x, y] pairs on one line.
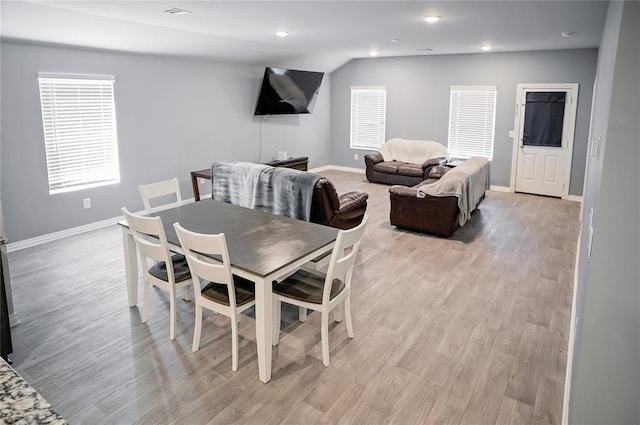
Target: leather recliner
[[342, 212]]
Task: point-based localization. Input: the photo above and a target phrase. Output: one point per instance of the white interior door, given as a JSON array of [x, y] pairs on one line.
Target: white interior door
[[545, 125]]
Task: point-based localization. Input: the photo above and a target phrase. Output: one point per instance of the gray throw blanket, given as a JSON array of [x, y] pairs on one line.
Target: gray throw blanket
[[281, 191], [468, 182]]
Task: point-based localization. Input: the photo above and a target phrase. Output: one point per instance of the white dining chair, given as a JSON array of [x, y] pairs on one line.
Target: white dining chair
[[323, 293], [223, 292], [164, 188], [159, 267]]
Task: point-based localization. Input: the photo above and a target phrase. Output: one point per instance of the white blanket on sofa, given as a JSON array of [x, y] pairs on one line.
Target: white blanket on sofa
[[468, 182], [413, 151]]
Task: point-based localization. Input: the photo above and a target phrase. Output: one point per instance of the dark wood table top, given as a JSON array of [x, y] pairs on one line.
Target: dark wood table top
[[258, 242]]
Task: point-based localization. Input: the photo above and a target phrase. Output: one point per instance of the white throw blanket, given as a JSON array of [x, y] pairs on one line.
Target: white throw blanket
[[413, 151], [280, 191], [468, 182]]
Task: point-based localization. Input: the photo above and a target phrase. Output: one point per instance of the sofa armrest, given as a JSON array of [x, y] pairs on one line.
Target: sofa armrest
[[398, 190], [372, 159], [351, 201], [353, 205], [433, 161]]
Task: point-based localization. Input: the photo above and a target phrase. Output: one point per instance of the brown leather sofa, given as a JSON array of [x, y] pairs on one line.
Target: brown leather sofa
[[430, 214], [397, 172], [342, 212]]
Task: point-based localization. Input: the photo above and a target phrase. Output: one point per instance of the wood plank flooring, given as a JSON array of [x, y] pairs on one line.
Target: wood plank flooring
[[467, 330]]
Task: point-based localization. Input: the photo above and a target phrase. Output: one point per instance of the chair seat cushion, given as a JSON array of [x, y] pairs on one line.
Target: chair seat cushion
[[219, 293], [305, 286], [180, 269], [414, 170]]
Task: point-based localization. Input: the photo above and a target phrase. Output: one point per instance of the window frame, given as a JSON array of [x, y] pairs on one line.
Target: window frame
[[79, 131], [355, 128], [461, 99]]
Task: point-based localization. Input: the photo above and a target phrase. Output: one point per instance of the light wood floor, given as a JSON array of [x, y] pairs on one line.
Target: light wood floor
[[467, 330]]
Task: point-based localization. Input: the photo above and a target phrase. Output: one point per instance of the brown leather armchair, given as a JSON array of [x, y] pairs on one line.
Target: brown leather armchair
[[342, 212]]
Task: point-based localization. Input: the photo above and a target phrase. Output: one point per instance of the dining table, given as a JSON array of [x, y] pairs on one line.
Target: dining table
[[263, 248]]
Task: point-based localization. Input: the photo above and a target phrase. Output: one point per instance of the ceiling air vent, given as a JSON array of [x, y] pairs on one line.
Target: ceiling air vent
[[176, 11]]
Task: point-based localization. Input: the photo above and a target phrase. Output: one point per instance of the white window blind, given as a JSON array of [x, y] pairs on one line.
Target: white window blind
[[368, 114], [472, 117], [79, 122]]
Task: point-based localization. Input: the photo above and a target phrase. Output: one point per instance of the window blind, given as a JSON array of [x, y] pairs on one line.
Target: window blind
[[79, 123], [368, 110], [472, 117]]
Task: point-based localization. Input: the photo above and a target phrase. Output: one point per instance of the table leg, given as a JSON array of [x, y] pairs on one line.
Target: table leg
[[264, 328], [130, 266], [194, 185]]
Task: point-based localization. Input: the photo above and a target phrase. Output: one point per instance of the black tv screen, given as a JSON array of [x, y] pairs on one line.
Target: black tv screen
[[288, 91]]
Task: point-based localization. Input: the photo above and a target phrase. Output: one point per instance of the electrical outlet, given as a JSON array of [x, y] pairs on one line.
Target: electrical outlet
[[86, 203], [595, 147], [355, 156]]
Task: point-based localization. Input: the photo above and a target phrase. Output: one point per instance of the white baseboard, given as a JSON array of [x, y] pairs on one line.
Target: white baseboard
[[337, 168], [572, 341], [574, 198], [50, 237]]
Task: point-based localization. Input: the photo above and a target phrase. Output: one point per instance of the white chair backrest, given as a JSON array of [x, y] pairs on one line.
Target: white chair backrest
[[196, 246], [342, 262], [156, 190], [150, 239]]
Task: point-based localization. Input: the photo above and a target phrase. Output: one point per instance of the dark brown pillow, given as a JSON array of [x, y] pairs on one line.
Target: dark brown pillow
[[438, 171]]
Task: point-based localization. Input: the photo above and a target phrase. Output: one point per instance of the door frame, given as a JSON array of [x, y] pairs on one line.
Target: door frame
[[572, 92]]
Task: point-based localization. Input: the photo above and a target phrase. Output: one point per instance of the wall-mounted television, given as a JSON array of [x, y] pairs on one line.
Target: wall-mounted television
[[288, 91]]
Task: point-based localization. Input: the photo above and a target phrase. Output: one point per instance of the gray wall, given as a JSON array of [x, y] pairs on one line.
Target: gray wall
[[605, 377], [418, 98], [173, 115]]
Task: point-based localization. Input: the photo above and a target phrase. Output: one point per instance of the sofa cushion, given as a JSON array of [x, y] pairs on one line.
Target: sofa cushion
[[438, 171], [414, 170], [389, 167]]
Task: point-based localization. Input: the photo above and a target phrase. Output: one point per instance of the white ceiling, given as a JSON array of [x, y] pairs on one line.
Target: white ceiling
[[322, 34]]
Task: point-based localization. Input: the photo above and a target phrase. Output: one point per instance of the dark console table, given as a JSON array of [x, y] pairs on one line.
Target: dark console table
[[299, 163]]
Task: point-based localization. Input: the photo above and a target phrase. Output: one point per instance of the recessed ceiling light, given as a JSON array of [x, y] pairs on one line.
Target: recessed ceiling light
[[176, 11], [486, 48], [395, 40], [567, 33], [282, 34], [432, 19], [373, 53]]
